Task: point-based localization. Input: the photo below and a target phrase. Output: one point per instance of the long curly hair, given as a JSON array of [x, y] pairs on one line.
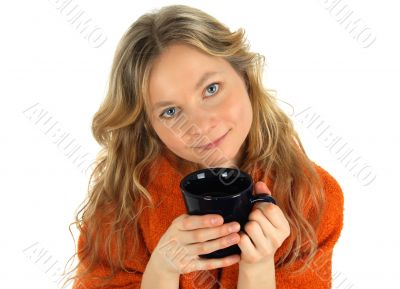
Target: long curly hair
[[129, 145]]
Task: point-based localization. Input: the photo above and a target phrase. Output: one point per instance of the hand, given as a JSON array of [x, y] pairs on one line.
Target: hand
[[267, 228], [189, 236]]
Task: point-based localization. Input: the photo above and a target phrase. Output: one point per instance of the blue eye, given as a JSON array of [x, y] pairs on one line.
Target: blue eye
[[165, 111], [213, 85], [173, 108]]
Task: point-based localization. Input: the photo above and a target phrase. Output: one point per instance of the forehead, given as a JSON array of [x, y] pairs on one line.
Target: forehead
[[178, 69]]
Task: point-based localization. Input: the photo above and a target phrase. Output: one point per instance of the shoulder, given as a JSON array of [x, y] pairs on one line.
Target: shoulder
[[332, 215], [332, 188]]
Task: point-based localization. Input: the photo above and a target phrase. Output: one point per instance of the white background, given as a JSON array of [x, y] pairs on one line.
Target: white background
[[312, 61]]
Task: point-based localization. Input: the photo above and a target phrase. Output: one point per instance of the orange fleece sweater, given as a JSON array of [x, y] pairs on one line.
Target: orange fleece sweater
[[170, 204]]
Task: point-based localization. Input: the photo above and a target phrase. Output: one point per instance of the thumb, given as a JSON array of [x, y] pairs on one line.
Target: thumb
[[262, 188]]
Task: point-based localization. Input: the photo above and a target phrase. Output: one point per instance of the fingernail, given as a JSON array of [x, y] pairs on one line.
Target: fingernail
[[215, 221], [234, 228]]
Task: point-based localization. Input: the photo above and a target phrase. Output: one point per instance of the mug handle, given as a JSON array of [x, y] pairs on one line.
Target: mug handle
[[262, 198]]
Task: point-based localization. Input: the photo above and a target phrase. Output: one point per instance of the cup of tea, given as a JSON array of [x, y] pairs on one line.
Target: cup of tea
[[223, 191]]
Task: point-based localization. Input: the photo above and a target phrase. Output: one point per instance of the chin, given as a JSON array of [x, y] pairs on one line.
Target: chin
[[223, 161]]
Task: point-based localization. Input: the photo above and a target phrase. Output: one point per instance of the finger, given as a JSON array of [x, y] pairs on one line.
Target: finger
[[209, 264], [256, 235], [267, 228], [246, 245], [206, 234], [192, 222], [273, 213], [213, 245]]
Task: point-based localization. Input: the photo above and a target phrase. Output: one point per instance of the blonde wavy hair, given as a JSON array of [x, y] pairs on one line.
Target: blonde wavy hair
[[129, 145]]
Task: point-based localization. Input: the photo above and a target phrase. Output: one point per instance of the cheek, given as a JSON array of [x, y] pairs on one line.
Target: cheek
[[247, 112], [240, 111], [168, 137]]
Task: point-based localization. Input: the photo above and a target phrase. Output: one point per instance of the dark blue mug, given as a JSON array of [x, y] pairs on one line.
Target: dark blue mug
[[224, 191]]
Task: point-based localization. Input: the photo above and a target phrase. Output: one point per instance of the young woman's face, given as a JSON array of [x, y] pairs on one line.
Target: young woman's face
[[203, 98]]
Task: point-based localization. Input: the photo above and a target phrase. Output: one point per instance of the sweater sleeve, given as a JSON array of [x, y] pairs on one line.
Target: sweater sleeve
[[131, 278], [318, 274]]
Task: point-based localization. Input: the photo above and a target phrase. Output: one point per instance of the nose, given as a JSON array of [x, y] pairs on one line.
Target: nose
[[201, 124]]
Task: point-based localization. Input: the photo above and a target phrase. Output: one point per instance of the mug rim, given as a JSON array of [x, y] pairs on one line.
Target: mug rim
[[189, 176]]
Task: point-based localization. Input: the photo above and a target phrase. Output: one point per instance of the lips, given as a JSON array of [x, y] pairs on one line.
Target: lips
[[214, 143]]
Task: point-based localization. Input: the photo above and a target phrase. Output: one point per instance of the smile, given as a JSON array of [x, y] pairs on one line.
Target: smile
[[214, 143]]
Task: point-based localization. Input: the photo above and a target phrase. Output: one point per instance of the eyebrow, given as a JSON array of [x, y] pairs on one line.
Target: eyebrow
[[199, 83]]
